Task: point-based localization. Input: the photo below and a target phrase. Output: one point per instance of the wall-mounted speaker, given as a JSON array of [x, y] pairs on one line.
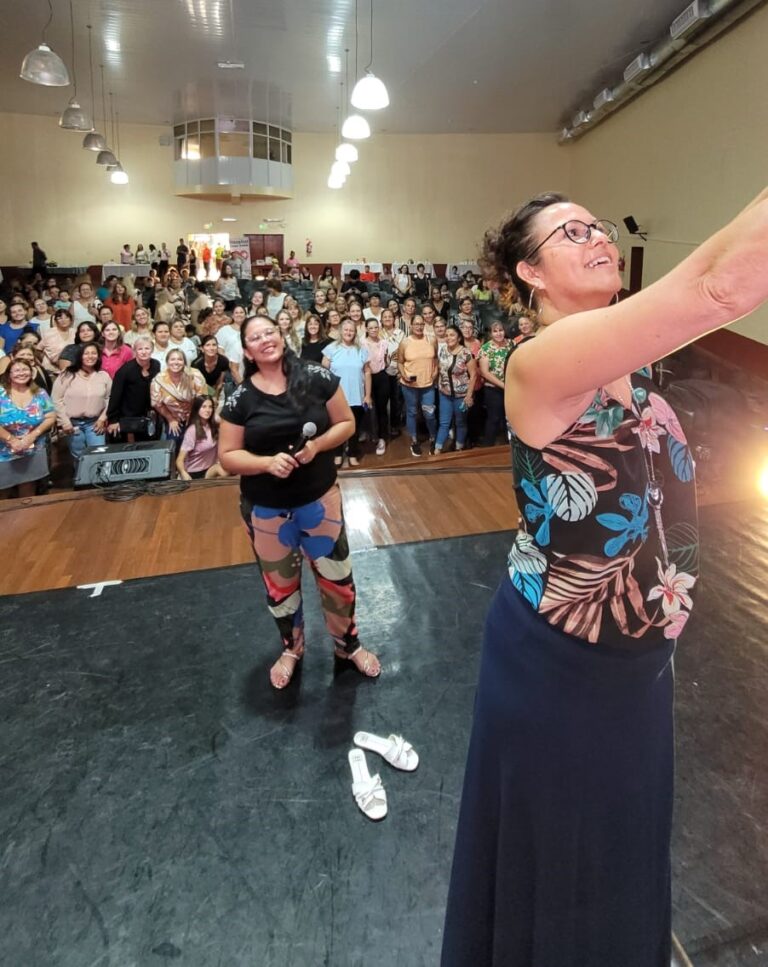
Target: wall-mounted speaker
[[633, 228]]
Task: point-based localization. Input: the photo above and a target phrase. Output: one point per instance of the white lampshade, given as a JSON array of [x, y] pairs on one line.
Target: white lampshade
[[119, 176], [335, 181], [43, 66], [340, 168], [74, 118], [94, 142], [106, 157], [356, 128], [369, 94], [346, 152]]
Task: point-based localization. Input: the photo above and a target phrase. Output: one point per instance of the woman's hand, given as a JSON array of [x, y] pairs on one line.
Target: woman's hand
[[100, 426], [68, 430], [173, 426], [469, 400], [307, 453], [282, 465], [16, 444], [367, 402], [113, 427]]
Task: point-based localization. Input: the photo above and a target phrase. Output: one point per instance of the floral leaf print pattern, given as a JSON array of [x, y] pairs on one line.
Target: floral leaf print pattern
[[683, 547], [577, 588], [525, 556], [681, 459], [531, 586], [573, 496], [539, 508], [666, 416], [527, 465], [606, 418], [676, 603], [632, 528]]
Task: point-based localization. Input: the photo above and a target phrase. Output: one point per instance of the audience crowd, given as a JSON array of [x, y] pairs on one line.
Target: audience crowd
[[156, 357]]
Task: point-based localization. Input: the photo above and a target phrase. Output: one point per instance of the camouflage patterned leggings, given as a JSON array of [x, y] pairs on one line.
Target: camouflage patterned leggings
[[316, 531]]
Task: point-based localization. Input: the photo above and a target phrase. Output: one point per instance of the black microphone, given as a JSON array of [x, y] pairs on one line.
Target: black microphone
[[307, 432]]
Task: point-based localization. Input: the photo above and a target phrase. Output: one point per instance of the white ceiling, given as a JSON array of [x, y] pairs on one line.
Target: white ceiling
[[450, 65]]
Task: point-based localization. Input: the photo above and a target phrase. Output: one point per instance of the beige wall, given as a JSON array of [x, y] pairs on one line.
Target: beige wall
[[427, 197], [687, 155]]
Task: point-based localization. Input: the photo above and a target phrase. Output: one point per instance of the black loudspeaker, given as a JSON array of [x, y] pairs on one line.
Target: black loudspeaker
[[632, 227], [117, 463]]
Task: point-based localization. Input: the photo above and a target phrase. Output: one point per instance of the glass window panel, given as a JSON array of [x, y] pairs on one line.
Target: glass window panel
[[274, 150], [274, 133], [242, 126], [207, 125], [208, 145], [192, 149], [192, 129], [286, 135], [180, 130], [290, 154], [178, 148], [233, 145], [284, 153], [259, 128], [259, 146]]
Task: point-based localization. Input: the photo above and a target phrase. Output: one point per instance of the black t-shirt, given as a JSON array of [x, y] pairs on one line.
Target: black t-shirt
[[272, 425], [212, 377], [312, 352]]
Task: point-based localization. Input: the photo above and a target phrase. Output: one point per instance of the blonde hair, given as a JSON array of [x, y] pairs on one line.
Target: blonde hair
[[338, 338]]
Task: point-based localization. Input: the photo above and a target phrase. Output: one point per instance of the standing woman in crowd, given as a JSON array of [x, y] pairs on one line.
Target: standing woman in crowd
[[288, 331], [393, 336], [567, 807], [165, 259], [26, 416], [122, 304], [142, 326], [257, 301], [455, 384], [314, 341], [84, 333], [3, 311], [442, 305], [172, 392], [297, 316], [114, 353], [130, 403], [42, 317], [178, 339], [275, 297], [355, 313], [85, 306], [81, 396], [320, 306], [259, 425], [493, 361], [417, 367], [29, 349], [212, 365], [466, 313], [198, 455], [406, 317], [227, 287], [161, 332], [348, 360], [378, 357], [61, 334]]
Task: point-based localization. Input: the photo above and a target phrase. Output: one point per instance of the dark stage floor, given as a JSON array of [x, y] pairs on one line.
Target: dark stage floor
[[162, 804]]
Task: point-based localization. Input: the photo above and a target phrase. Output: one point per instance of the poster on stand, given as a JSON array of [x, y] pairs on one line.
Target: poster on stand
[[240, 247]]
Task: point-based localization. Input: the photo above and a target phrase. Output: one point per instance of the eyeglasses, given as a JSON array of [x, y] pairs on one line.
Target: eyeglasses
[[264, 334], [580, 232]]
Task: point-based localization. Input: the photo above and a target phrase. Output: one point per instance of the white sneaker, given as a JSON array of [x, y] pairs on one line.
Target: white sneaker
[[381, 448]]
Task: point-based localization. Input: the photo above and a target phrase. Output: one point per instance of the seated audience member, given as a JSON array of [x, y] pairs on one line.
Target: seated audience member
[[354, 285], [26, 416], [493, 362], [142, 326], [42, 316], [147, 294], [80, 396], [421, 282], [331, 295], [178, 339], [61, 334], [230, 343], [374, 308], [441, 304], [227, 287], [407, 314], [126, 255], [341, 305], [197, 301], [306, 276], [378, 357], [172, 299], [213, 365], [385, 276], [275, 297], [348, 360], [85, 307], [481, 293], [455, 384], [122, 304], [85, 332], [417, 367], [355, 313], [288, 331], [315, 339], [294, 276], [161, 333], [129, 410], [320, 305], [466, 289], [219, 317], [172, 392], [256, 303], [525, 329], [366, 275], [18, 323], [453, 274], [198, 454], [114, 352], [401, 283], [104, 291], [327, 279]]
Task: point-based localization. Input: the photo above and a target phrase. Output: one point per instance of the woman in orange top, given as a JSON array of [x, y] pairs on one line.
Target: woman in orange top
[[417, 367], [122, 304]]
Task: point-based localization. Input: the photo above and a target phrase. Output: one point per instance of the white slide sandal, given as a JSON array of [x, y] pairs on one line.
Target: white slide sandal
[[395, 750], [368, 791]]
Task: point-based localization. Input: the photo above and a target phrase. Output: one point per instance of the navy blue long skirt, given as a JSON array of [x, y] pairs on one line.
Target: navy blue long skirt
[[562, 854]]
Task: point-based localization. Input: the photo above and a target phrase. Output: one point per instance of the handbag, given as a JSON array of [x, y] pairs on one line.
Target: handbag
[[139, 424]]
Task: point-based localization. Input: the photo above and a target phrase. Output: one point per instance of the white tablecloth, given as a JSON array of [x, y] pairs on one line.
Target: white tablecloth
[[464, 267], [346, 267], [411, 266], [113, 268]]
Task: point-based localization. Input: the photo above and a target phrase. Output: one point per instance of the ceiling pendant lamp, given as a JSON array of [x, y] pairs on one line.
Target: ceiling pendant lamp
[[93, 141], [370, 93], [73, 117], [340, 169], [346, 152], [119, 175], [42, 65], [105, 156], [356, 128], [335, 182]]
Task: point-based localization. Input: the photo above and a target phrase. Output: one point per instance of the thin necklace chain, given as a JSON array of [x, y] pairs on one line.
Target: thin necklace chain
[[655, 491]]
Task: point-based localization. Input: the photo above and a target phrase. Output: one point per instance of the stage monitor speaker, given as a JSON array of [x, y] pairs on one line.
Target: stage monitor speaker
[[120, 462]]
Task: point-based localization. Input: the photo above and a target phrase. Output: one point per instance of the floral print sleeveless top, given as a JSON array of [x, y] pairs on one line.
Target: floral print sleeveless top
[[591, 555]]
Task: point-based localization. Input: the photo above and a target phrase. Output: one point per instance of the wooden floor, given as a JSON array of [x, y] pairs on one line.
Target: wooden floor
[[67, 538]]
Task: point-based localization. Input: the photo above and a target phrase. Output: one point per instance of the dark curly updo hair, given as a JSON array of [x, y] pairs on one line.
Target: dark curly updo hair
[[509, 244]]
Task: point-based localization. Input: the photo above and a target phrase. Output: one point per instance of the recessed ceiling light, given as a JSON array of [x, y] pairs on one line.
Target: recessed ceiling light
[[231, 65], [113, 46], [334, 64], [228, 219]]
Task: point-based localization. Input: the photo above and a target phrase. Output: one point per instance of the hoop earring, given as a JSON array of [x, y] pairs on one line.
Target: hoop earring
[[531, 308], [615, 299]]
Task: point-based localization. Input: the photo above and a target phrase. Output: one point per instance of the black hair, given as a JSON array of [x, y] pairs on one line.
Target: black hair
[[510, 243], [294, 369], [92, 326], [459, 333], [321, 334], [160, 322], [354, 275], [77, 358], [206, 339]]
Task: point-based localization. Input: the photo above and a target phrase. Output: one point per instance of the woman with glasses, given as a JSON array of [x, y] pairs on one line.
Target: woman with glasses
[[290, 501], [566, 813]]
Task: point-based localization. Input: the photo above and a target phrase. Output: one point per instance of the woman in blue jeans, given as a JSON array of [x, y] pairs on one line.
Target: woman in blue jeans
[[417, 367], [455, 383], [80, 396]]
